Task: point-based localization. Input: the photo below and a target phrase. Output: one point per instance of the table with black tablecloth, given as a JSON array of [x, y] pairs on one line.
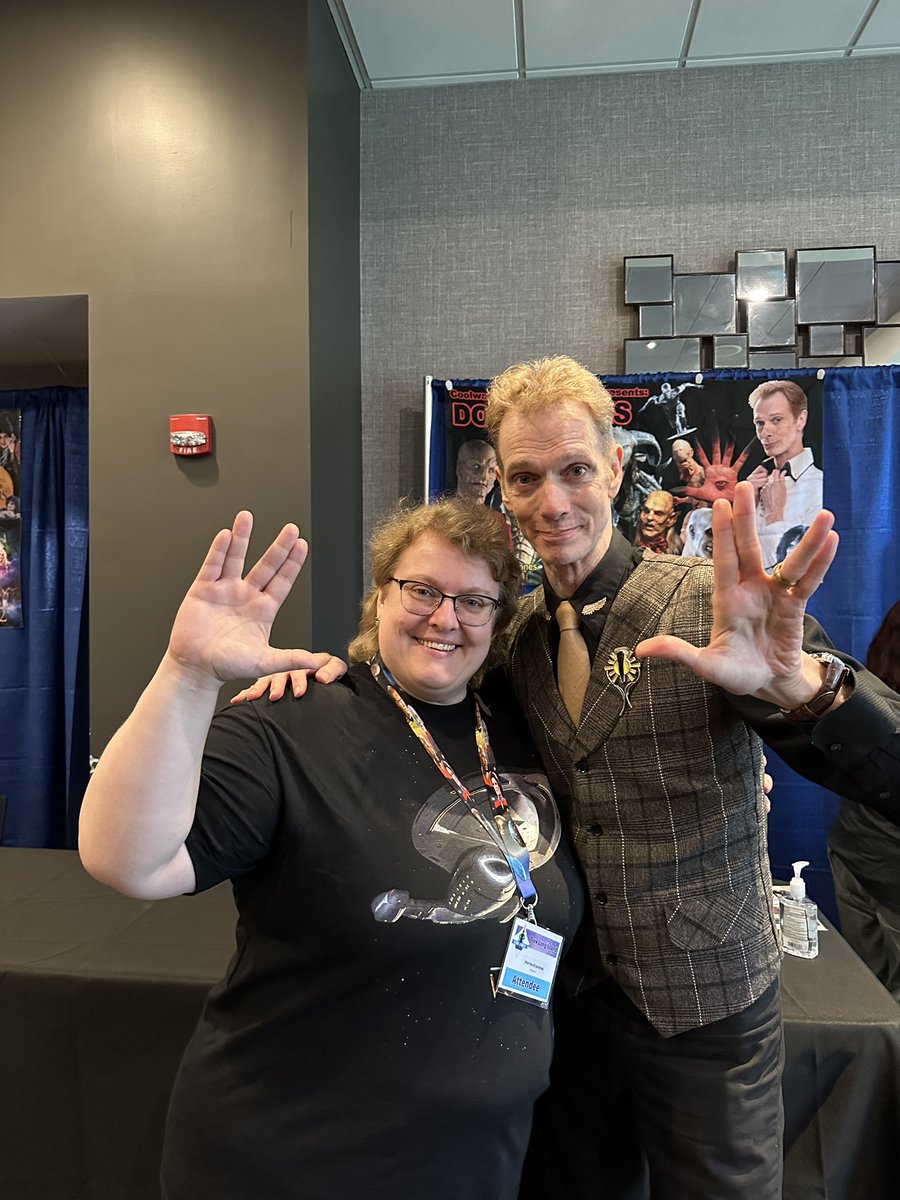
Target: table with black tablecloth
[[99, 994], [841, 1078]]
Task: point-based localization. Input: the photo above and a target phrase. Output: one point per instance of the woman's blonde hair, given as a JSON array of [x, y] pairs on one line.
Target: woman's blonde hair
[[475, 530]]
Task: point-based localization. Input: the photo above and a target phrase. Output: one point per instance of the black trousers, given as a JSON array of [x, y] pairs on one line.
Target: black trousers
[[631, 1114], [870, 927]]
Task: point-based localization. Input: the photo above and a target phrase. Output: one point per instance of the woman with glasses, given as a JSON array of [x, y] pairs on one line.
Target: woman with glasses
[[395, 853]]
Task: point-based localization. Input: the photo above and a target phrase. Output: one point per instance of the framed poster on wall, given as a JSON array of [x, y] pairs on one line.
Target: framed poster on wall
[[685, 443], [10, 519]]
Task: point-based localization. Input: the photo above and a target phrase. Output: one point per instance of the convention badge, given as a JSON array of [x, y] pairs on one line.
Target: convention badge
[[529, 964], [623, 670]]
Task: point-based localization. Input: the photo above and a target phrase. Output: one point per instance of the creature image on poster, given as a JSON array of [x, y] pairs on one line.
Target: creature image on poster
[[684, 445], [10, 519]]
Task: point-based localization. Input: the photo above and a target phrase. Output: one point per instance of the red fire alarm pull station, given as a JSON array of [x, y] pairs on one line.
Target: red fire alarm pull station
[[190, 433]]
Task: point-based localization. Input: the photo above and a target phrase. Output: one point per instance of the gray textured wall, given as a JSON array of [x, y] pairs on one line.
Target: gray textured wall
[[495, 216]]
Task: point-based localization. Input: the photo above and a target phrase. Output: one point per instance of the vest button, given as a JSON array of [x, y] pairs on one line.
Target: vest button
[[601, 897], [582, 765], [612, 959], [596, 829]]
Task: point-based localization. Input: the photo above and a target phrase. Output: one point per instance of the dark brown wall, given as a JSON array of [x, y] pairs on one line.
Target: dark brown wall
[[155, 158], [336, 466]]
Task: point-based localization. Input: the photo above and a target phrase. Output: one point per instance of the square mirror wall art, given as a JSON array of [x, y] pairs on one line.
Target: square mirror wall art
[[887, 287], [655, 320], [654, 355], [772, 360], [704, 305], [881, 346], [648, 279], [847, 360], [836, 286], [771, 322], [730, 350], [770, 313], [826, 339], [761, 274]]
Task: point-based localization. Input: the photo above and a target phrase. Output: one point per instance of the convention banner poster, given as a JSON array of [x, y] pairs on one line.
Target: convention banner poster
[[459, 459], [685, 443], [10, 519]]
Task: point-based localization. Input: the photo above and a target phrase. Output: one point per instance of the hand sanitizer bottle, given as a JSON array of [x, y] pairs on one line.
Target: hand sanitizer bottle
[[799, 919]]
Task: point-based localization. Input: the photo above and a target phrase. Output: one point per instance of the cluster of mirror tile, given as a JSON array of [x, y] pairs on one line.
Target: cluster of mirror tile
[[835, 307]]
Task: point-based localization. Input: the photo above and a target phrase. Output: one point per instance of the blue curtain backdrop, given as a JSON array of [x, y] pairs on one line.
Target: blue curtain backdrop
[[861, 462], [43, 666]]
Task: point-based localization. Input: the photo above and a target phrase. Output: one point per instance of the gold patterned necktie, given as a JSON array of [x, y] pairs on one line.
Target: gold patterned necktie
[[574, 665]]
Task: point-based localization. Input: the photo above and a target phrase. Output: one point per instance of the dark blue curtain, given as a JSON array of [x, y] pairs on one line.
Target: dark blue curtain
[[861, 463], [43, 666]]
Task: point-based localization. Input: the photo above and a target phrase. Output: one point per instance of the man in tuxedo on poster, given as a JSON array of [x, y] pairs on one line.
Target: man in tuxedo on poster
[[788, 484]]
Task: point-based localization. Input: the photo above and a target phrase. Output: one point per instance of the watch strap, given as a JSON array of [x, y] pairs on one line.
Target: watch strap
[[836, 674]]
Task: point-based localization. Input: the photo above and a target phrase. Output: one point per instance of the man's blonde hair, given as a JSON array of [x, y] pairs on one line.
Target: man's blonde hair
[[547, 385], [793, 393], [475, 530]]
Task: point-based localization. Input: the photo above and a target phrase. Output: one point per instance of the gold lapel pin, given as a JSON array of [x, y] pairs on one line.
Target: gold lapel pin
[[623, 670]]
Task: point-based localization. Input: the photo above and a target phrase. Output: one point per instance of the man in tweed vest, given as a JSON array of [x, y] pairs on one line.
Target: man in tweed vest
[[669, 1052]]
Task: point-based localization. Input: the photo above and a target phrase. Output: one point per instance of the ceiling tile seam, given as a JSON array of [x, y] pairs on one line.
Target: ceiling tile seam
[[689, 34], [350, 44], [861, 28], [519, 24]]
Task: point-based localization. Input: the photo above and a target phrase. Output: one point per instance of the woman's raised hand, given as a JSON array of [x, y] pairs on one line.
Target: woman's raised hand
[[223, 626]]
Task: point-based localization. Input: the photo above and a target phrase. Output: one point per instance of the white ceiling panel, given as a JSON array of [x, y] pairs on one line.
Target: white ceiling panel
[[732, 29], [607, 32], [401, 39], [882, 30], [406, 43]]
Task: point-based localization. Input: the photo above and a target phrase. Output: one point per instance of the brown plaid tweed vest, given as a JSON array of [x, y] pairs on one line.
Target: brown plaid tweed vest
[[665, 803]]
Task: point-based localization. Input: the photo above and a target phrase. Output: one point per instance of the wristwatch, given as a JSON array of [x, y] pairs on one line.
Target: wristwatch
[[836, 675]]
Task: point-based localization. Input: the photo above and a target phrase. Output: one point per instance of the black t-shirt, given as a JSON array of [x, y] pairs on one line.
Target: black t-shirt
[[354, 1047]]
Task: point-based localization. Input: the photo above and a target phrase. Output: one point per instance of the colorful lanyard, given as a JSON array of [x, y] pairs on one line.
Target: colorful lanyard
[[502, 829]]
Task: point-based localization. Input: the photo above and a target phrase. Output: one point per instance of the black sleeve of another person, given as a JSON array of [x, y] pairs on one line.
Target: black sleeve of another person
[[854, 751]]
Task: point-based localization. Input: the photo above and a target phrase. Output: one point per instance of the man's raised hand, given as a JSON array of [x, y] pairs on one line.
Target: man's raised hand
[[756, 643]]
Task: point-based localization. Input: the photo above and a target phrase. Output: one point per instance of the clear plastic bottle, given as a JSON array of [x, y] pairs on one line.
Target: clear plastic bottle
[[799, 918]]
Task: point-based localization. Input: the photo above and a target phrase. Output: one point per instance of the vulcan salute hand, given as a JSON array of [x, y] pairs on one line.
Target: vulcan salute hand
[[756, 645], [222, 628], [140, 805]]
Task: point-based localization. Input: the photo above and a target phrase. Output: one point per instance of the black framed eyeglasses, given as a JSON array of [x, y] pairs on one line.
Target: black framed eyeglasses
[[421, 599]]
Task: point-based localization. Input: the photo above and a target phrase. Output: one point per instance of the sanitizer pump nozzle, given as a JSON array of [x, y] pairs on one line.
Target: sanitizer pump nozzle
[[798, 883], [799, 918]]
